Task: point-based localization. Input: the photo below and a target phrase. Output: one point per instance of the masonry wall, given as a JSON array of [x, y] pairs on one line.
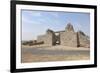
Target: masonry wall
[[48, 39], [68, 39], [83, 40]]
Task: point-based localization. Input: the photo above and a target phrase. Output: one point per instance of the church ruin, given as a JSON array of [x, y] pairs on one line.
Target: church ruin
[[68, 37]]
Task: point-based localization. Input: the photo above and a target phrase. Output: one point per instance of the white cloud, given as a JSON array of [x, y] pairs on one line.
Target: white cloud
[[56, 15], [35, 13]]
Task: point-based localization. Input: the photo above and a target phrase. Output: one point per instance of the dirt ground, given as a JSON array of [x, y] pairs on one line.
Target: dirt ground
[[54, 53]]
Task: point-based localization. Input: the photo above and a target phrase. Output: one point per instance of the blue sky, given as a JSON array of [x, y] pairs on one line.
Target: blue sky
[[35, 23]]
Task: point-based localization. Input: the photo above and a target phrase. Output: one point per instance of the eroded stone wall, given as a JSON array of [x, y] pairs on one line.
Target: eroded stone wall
[[68, 37], [48, 38], [83, 40]]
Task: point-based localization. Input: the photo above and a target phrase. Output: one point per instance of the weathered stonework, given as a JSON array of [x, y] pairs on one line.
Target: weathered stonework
[[83, 39], [68, 37], [48, 38]]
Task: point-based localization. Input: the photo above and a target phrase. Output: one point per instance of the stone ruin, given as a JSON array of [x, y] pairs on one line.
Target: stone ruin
[[48, 38], [68, 37], [84, 40]]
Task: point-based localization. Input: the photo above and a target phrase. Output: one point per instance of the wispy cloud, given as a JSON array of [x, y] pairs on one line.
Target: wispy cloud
[[35, 23]]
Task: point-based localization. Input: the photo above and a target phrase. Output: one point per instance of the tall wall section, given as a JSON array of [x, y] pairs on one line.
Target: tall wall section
[[83, 40], [69, 37]]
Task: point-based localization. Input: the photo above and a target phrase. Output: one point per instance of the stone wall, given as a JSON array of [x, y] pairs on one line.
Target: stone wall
[[68, 37], [83, 39], [48, 38]]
